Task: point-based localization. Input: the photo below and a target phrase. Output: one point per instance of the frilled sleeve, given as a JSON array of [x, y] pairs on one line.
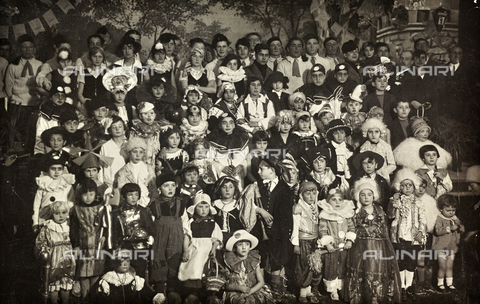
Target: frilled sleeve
[[297, 216]]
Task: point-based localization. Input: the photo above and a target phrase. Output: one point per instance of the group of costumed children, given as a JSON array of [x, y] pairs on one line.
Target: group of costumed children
[[310, 217]]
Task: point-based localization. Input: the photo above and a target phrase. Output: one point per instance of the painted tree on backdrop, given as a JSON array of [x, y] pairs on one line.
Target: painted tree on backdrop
[[278, 16], [149, 17]]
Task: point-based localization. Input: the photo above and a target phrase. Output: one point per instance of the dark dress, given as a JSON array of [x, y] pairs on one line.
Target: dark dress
[[372, 270], [228, 221]]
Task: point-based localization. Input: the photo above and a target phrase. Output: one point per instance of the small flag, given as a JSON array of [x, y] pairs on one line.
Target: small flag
[[19, 30], [37, 26], [65, 6], [50, 18]]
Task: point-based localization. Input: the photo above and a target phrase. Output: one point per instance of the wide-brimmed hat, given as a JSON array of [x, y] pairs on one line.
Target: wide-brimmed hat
[[137, 47], [337, 124], [473, 175], [241, 235], [312, 154], [357, 159], [119, 79], [201, 198]]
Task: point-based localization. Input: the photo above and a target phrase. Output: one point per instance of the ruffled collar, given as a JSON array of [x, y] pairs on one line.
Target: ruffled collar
[[225, 207], [250, 263], [160, 68], [47, 183], [304, 133], [227, 74], [60, 228], [321, 178], [197, 74], [336, 215]]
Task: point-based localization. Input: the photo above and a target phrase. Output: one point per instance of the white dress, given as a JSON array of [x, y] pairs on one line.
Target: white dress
[[199, 251], [111, 149]]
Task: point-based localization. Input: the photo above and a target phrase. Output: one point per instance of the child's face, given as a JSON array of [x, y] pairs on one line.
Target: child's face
[[56, 142], [173, 140], [261, 144], [229, 95], [202, 209], [159, 57], [369, 51], [407, 187], [423, 134], [318, 78], [338, 136], [277, 86], [266, 173], [353, 107], [319, 165], [148, 117], [88, 197], [71, 126], [192, 98], [191, 178], [100, 113], [132, 198], [136, 155], [167, 189], [421, 189], [58, 99], [309, 196], [297, 105], [60, 216], [194, 119], [200, 151], [255, 88], [27, 50], [120, 96], [124, 266], [55, 171], [374, 135], [380, 83], [341, 76], [158, 91], [337, 202], [448, 211], [304, 125], [369, 166], [242, 248], [284, 127], [326, 118], [196, 59], [233, 65], [227, 190], [366, 197], [97, 59], [430, 158], [91, 173], [117, 129], [402, 110], [64, 63], [228, 125]]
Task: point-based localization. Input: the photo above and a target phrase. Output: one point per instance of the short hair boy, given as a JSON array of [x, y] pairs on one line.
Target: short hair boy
[[400, 126], [438, 180]]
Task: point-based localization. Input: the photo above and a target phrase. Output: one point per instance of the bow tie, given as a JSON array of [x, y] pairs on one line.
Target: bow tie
[[189, 186]]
